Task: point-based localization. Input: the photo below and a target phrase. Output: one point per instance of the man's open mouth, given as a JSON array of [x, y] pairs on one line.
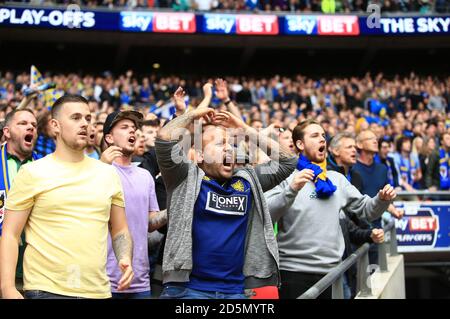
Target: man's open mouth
[[131, 140], [29, 138], [322, 149], [227, 161]]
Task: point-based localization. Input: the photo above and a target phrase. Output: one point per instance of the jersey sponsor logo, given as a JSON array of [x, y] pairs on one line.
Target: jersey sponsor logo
[[227, 204]]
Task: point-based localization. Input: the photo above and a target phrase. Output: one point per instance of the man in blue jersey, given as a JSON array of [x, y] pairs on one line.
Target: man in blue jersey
[[220, 239], [444, 162], [408, 165]]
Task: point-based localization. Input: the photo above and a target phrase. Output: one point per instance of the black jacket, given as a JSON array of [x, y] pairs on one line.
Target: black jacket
[[430, 170], [355, 231], [353, 236], [355, 178]]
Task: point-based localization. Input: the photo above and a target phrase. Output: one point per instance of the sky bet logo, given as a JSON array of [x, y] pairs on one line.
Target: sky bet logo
[[419, 227], [157, 22], [322, 25], [240, 24], [227, 204], [296, 24], [220, 23]]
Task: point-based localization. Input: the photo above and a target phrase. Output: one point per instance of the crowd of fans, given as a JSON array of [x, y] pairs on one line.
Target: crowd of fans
[[326, 6], [384, 134], [415, 108]]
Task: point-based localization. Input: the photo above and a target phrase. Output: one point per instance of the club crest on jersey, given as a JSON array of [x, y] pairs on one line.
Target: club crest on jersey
[[238, 186], [227, 204]]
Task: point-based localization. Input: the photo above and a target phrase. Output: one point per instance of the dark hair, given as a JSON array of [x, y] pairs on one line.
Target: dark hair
[[384, 140], [155, 122], [68, 98], [400, 141], [42, 122], [10, 115], [299, 131]]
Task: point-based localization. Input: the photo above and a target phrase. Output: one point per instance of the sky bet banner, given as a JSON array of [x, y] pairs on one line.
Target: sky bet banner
[[144, 21], [321, 25], [251, 24], [72, 17], [424, 227]]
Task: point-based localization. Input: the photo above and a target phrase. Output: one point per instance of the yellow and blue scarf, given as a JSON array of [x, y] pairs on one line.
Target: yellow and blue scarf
[[4, 176], [5, 183], [444, 169], [324, 187]]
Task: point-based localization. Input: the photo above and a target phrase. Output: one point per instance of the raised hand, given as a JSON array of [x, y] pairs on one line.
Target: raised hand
[[207, 90], [387, 193], [222, 89], [229, 120], [178, 98], [110, 154]]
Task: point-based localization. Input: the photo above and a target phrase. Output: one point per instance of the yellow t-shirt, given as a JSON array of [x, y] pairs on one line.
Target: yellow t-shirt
[[67, 228]]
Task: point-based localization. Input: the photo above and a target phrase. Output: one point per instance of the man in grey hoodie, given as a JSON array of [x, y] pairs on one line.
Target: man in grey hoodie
[[220, 239], [310, 238]]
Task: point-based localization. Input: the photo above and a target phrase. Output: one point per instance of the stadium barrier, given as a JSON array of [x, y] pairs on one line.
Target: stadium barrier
[[361, 256], [424, 228]]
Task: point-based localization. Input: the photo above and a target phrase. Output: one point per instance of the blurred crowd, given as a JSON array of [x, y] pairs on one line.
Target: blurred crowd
[[411, 109], [325, 6]]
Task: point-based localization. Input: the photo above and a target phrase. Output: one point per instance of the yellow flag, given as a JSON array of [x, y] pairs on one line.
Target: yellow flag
[[50, 96], [36, 76]]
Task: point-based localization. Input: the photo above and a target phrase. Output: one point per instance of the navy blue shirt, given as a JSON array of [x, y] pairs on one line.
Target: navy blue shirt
[[374, 178], [219, 230]]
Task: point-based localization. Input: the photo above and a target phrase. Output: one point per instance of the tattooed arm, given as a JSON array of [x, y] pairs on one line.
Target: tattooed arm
[[156, 220], [122, 244], [207, 96]]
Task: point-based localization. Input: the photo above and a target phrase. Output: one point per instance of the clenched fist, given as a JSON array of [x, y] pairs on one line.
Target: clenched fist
[[301, 178]]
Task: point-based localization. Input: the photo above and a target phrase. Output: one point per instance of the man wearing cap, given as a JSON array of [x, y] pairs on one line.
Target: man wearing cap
[[142, 211], [66, 202]]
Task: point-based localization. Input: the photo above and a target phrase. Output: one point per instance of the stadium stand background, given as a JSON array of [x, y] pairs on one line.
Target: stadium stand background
[[199, 57]]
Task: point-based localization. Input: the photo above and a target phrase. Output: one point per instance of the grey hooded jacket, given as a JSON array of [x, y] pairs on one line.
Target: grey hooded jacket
[[310, 238], [183, 181]]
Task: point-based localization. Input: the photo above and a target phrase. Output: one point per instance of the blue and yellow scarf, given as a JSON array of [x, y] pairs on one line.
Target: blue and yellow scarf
[[5, 183], [324, 187], [4, 176], [444, 169]]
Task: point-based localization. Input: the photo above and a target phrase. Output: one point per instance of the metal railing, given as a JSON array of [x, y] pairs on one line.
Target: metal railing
[[361, 256]]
